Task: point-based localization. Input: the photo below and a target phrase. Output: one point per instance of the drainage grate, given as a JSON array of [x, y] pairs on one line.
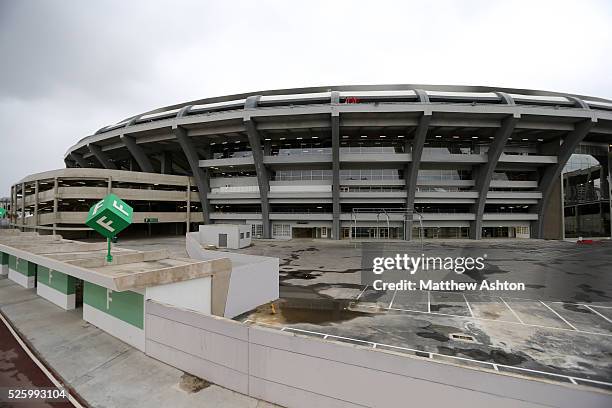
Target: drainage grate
[[463, 337]]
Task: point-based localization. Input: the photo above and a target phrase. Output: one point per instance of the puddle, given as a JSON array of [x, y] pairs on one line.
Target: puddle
[[496, 356], [306, 275], [436, 307], [433, 336], [303, 310], [490, 269], [575, 308], [588, 289], [192, 384], [288, 272]]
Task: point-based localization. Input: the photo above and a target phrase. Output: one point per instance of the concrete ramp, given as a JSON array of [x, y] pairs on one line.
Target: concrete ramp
[[253, 281]]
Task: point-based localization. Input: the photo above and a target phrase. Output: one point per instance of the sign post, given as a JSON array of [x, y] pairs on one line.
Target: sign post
[[108, 217]]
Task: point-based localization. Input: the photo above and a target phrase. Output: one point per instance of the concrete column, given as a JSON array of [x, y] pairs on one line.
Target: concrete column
[[102, 157], [552, 226], [36, 215], [16, 208], [79, 160], [411, 170], [137, 153], [201, 177], [335, 132], [166, 163], [55, 203], [267, 148], [13, 213], [578, 220], [549, 183], [485, 172], [23, 207], [609, 188], [603, 178], [261, 170], [188, 222]]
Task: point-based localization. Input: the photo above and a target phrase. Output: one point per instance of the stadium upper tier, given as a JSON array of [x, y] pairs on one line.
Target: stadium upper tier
[[337, 151], [468, 100]]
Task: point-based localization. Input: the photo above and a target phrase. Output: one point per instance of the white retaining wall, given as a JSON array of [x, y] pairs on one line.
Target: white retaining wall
[[253, 281], [299, 371]]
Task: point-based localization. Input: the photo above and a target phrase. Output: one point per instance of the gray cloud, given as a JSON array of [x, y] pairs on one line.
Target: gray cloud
[[70, 67]]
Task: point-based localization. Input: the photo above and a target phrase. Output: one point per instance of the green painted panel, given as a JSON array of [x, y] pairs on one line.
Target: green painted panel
[[4, 258], [94, 296], [127, 306], [56, 280], [22, 266]]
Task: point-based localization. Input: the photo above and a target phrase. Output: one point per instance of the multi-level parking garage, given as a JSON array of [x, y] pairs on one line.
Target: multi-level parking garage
[[368, 161], [58, 201]]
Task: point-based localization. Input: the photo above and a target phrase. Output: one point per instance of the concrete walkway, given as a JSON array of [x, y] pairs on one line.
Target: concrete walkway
[[104, 371]]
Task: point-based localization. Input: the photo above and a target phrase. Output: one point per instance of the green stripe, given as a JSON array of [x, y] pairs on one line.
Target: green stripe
[[59, 281], [127, 306], [4, 258]]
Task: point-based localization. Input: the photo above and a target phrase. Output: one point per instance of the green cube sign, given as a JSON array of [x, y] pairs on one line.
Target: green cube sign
[[109, 216], [2, 212]]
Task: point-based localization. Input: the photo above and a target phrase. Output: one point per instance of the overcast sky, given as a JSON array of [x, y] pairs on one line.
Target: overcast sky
[[69, 67]]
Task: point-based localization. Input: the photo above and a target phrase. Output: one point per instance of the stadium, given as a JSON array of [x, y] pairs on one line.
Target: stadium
[[337, 162]]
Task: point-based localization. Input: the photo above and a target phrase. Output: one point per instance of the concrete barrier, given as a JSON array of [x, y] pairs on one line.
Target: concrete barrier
[[253, 280], [298, 371]]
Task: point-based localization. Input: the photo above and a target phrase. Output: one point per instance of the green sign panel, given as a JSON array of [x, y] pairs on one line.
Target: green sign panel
[[109, 216], [151, 220], [2, 212]]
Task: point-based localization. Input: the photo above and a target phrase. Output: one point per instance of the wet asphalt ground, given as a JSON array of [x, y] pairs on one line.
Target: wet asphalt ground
[[558, 328]]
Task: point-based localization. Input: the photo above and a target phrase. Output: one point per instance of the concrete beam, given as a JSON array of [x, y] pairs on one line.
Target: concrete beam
[[138, 153], [552, 173], [199, 174], [335, 131], [101, 156], [260, 168], [486, 170], [411, 169]]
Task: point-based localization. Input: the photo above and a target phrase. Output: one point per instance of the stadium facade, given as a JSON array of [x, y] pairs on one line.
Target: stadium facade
[[339, 162]]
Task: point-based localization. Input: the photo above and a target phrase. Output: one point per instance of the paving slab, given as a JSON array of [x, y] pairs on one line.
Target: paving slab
[[17, 295]]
